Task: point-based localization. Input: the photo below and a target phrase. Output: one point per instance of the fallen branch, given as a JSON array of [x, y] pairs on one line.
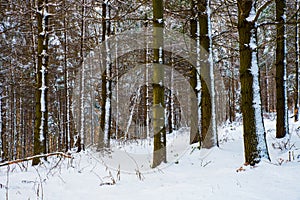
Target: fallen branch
[[37, 156]]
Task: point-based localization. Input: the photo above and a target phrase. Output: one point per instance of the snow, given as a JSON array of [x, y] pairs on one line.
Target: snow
[[160, 21], [43, 88], [252, 13], [160, 55], [43, 98], [195, 174]]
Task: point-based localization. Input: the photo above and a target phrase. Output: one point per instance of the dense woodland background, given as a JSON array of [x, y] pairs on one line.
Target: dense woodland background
[[44, 43]]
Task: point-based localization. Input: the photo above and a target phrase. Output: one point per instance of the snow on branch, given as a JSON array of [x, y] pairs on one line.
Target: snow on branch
[[259, 11], [37, 156]]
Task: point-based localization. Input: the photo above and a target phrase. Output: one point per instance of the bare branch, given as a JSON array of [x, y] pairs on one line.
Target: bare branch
[[37, 156], [261, 9]]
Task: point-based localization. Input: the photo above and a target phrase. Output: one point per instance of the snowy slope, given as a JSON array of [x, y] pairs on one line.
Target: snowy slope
[[195, 174]]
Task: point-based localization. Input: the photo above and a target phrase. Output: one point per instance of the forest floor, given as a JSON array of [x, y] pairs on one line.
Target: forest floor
[[190, 173]]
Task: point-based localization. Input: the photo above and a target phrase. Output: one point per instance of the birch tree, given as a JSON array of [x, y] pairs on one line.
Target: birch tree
[[255, 145]]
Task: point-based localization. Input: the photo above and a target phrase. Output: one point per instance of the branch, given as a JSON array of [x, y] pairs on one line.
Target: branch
[[261, 9], [33, 157]]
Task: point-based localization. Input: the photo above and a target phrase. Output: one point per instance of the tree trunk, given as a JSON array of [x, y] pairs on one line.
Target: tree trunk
[[106, 84], [66, 86], [3, 139], [254, 132], [41, 110], [208, 119], [159, 129], [296, 95], [81, 136], [194, 132], [281, 91]]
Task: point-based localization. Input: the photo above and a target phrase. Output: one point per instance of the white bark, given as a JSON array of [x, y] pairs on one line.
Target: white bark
[[286, 120], [82, 97], [108, 94]]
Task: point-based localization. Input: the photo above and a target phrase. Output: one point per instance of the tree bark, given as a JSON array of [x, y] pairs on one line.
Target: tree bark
[[208, 120], [296, 95], [255, 146], [194, 131], [4, 144], [159, 129], [41, 110], [281, 91]]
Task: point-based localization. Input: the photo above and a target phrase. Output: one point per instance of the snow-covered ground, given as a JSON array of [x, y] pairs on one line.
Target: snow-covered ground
[[190, 173]]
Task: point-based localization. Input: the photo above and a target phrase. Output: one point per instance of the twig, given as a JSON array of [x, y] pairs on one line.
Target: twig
[[7, 182], [41, 183]]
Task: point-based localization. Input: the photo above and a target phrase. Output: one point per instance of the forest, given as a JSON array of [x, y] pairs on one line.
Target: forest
[[136, 86]]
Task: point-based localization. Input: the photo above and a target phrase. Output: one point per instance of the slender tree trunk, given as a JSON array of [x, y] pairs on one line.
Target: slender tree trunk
[[107, 127], [159, 129], [232, 108], [255, 145], [296, 95], [41, 109], [66, 85], [103, 85], [3, 134], [281, 90], [81, 137], [110, 75]]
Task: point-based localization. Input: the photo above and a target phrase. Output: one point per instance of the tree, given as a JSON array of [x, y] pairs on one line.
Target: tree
[[254, 132], [41, 110], [159, 129], [281, 87], [296, 95], [106, 83], [194, 77], [208, 116], [3, 139]]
